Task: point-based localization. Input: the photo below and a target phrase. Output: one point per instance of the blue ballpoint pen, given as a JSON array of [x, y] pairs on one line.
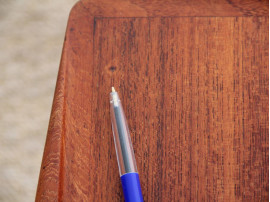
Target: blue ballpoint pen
[[124, 151]]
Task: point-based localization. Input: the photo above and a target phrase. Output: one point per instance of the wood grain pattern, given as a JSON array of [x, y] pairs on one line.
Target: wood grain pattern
[[195, 93]]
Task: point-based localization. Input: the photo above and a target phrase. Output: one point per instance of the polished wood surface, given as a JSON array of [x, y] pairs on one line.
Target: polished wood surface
[[193, 79]]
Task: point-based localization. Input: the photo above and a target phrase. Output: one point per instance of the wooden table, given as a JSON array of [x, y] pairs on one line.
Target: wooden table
[[193, 78]]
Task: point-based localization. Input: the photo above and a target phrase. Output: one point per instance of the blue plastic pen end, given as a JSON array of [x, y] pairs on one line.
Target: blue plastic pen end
[[131, 187]]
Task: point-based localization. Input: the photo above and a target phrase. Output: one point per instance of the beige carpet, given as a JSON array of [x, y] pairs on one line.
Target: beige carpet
[[31, 38]]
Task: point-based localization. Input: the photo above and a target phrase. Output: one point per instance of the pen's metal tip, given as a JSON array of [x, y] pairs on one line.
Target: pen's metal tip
[[113, 90]]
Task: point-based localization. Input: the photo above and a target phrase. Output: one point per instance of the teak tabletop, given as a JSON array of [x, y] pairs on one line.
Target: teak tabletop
[[193, 79]]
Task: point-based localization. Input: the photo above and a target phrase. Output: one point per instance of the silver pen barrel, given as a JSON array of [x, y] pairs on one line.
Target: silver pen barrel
[[123, 146]]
